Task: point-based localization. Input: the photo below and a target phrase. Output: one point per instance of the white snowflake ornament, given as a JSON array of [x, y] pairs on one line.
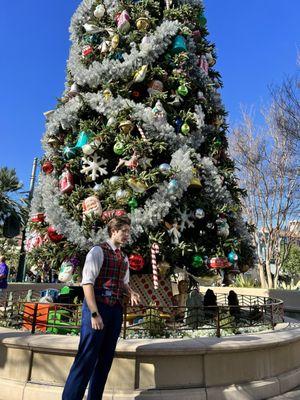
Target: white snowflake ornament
[[186, 218], [92, 166]]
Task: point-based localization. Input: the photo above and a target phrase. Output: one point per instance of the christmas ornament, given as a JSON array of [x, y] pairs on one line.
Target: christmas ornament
[[107, 94], [222, 228], [91, 147], [82, 140], [154, 251], [182, 90], [92, 165], [185, 128], [155, 86], [114, 179], [136, 262], [47, 114], [178, 124], [94, 39], [179, 45], [91, 206], [140, 74], [143, 23], [218, 262], [111, 121], [203, 64], [200, 95], [115, 40], [163, 268], [159, 112], [87, 51], [122, 196], [210, 225], [34, 240], [195, 181], [133, 203], [38, 217], [104, 47], [199, 213], [173, 186], [74, 90], [164, 168], [122, 19], [232, 257], [173, 232], [119, 148], [126, 127], [211, 61], [99, 11], [91, 28], [53, 235], [118, 56], [132, 163], [47, 167], [145, 43], [136, 186], [69, 152], [66, 271], [186, 219], [109, 214], [66, 182], [197, 261]]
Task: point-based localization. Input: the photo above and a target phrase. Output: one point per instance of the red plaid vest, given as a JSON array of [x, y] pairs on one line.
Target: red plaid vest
[[109, 285]]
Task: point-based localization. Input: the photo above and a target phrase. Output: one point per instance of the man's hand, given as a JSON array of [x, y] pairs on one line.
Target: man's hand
[[97, 322], [134, 298]]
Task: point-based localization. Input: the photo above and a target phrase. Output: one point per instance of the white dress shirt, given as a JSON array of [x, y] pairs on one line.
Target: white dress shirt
[[93, 264]]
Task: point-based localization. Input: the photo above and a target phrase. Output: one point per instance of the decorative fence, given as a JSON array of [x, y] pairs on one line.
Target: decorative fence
[[21, 310]]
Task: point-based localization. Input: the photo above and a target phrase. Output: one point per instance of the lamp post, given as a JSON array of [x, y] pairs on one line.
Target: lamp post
[[21, 264]]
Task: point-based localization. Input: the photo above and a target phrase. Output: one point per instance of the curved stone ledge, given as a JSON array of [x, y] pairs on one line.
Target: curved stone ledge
[[244, 367]]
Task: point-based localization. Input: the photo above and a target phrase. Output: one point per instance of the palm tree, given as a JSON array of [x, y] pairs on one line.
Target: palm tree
[[9, 186]]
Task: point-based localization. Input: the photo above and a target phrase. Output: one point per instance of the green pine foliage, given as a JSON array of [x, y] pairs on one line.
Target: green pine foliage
[[176, 72]]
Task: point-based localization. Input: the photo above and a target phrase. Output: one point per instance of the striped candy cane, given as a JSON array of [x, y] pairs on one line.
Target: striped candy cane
[[154, 251]]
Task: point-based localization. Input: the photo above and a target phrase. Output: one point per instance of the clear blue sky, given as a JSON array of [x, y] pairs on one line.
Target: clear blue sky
[[256, 40]]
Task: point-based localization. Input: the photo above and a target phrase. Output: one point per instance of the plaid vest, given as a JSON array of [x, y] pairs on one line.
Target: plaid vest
[[109, 285]]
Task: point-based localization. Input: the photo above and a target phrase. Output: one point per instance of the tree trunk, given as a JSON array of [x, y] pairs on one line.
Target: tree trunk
[[262, 277]]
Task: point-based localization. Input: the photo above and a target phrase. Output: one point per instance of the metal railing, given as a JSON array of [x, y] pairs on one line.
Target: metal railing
[[150, 321]]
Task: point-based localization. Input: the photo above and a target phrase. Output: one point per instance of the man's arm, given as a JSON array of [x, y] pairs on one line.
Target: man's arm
[[89, 295]]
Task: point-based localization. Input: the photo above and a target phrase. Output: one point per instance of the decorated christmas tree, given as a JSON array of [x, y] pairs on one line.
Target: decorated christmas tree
[[140, 130]]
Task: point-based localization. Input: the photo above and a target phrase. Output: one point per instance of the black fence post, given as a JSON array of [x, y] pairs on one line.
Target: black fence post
[[34, 318]]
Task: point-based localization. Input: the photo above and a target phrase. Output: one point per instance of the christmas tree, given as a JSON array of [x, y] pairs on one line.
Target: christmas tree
[[140, 130]]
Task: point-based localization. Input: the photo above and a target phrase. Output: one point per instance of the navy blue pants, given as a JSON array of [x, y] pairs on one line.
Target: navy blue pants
[[95, 353]]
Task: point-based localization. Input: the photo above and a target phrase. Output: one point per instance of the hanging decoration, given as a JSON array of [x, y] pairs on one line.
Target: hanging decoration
[[154, 252], [93, 166]]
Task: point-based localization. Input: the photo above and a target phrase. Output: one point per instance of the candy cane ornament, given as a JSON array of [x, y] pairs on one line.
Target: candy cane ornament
[[154, 251]]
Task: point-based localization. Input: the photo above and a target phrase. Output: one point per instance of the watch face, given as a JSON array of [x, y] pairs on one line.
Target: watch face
[[94, 314]]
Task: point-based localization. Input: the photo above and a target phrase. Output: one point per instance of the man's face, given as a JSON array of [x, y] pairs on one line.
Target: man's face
[[121, 236]]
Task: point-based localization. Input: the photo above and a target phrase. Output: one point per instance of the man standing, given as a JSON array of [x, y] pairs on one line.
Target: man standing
[[105, 282], [3, 274]]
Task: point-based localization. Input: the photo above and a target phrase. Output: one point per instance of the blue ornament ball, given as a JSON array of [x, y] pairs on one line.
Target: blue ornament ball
[[173, 186], [232, 257], [164, 168]]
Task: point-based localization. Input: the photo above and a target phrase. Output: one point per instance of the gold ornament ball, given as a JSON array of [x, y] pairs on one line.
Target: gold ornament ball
[[142, 24]]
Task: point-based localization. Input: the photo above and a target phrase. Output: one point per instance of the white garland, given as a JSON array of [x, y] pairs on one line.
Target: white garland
[[102, 72], [154, 210]]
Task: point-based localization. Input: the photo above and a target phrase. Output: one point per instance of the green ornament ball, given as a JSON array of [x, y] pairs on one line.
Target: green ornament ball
[[182, 90], [119, 148], [133, 203], [185, 128], [197, 261]]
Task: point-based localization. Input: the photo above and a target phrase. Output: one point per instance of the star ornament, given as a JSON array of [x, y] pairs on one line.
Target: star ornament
[[93, 166]]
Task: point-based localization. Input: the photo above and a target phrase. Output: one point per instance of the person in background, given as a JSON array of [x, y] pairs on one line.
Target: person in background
[[3, 274], [105, 281]]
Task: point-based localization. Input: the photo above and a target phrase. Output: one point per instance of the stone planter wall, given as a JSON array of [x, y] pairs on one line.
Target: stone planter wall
[[255, 366]]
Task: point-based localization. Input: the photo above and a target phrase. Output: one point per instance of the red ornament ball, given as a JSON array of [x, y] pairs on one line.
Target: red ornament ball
[[39, 217], [53, 235], [136, 262], [47, 167]]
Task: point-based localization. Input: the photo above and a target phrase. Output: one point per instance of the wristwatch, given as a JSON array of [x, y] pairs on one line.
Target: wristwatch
[[95, 314]]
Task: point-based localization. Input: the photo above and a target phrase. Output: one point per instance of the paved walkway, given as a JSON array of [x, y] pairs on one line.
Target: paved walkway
[[294, 394]]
